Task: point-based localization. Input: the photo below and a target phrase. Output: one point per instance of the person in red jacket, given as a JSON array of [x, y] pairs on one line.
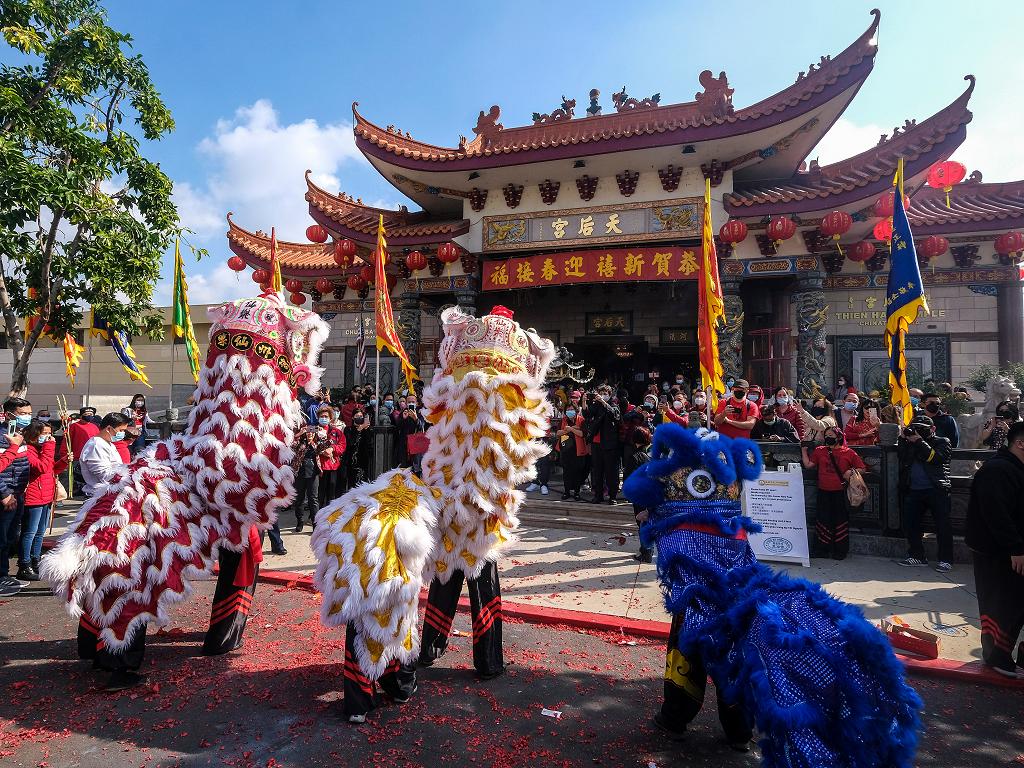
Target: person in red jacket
[[39, 493], [330, 460], [80, 431], [834, 462]]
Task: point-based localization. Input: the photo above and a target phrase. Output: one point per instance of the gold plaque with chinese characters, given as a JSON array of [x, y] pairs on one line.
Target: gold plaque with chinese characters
[[628, 222]]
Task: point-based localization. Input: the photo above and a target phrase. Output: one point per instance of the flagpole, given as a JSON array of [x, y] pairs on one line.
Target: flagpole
[[88, 368], [170, 387]]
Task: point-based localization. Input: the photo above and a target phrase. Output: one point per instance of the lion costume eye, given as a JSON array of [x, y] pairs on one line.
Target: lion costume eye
[[700, 484]]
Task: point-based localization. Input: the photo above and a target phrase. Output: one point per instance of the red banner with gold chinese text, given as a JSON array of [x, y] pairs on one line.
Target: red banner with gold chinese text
[[606, 265]]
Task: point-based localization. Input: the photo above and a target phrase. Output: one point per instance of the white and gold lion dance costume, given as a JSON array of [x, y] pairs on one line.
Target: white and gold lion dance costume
[[378, 544], [199, 497]]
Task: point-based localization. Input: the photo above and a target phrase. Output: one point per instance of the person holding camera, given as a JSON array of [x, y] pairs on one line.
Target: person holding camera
[[736, 416], [945, 425], [995, 534], [603, 420], [994, 431], [772, 428], [924, 485], [311, 444]]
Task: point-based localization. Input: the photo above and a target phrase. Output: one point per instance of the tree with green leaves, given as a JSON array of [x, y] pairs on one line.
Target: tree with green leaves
[[86, 217]]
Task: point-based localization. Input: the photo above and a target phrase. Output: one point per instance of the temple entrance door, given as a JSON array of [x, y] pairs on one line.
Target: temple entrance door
[[669, 361], [619, 361]]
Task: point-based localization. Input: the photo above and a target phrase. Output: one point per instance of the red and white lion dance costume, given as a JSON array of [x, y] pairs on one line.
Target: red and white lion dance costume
[[133, 550]]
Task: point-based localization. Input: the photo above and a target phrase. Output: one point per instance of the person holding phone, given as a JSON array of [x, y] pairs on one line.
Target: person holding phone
[[862, 429], [994, 431]]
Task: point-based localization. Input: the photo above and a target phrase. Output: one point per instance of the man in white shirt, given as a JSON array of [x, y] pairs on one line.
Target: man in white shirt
[[100, 460]]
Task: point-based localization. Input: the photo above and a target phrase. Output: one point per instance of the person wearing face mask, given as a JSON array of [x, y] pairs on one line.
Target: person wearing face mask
[[862, 429], [843, 388], [924, 483], [310, 446], [786, 409], [995, 534], [848, 412], [358, 437], [330, 460], [387, 408], [409, 422], [994, 431], [756, 395], [818, 418], [736, 415], [835, 463], [100, 459], [136, 411], [13, 480], [773, 429], [698, 415], [572, 448], [39, 495], [603, 420], [674, 412], [945, 425]]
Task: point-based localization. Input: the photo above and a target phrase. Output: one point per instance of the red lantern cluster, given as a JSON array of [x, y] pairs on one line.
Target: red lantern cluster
[[356, 283], [260, 276], [885, 205], [293, 285], [945, 174], [316, 234], [836, 224], [861, 251], [1010, 242], [883, 230], [298, 299], [324, 285], [344, 252], [416, 261], [236, 263], [366, 274], [733, 231], [781, 228], [932, 247], [448, 252]]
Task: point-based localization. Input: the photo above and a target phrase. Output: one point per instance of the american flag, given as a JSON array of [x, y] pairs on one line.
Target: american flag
[[361, 349]]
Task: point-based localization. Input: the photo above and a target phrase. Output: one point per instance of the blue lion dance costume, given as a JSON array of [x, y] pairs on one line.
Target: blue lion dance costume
[[820, 683]]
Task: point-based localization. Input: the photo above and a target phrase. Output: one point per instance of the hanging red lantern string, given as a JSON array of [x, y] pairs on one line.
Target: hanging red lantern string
[[416, 261], [861, 251], [293, 285], [448, 252], [835, 225], [324, 285], [260, 276], [236, 263], [781, 228], [316, 234], [733, 232], [945, 174], [344, 251]]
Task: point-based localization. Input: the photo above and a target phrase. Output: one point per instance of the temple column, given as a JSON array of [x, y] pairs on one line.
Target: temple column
[[811, 316], [466, 299], [408, 325], [730, 337], [1010, 319]]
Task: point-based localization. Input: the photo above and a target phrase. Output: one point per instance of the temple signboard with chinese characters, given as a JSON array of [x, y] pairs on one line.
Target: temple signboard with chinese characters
[[595, 266], [629, 222], [609, 323]]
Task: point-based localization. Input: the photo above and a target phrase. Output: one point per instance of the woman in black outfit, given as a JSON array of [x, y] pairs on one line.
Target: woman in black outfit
[[357, 438]]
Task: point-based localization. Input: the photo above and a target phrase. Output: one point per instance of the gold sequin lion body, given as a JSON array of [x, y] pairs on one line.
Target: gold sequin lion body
[[379, 543]]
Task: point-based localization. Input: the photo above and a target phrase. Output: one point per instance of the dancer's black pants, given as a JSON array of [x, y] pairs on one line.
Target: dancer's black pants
[[485, 604], [1001, 605], [91, 647], [606, 467], [685, 683], [307, 490], [231, 607], [398, 681], [832, 525]]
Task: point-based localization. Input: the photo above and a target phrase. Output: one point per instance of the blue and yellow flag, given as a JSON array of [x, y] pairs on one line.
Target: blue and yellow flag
[[904, 299], [122, 348]]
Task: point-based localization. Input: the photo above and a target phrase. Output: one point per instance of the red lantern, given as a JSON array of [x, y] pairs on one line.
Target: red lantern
[[344, 251], [316, 234], [293, 285], [416, 261], [861, 251], [733, 231], [836, 224], [392, 281], [298, 299], [1010, 242], [884, 205], [237, 263], [323, 285], [366, 274], [933, 246], [448, 252], [260, 276], [883, 230], [781, 228], [945, 174], [356, 283]]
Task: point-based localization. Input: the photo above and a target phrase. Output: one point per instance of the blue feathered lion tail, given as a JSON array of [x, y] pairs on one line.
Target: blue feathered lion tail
[[822, 684]]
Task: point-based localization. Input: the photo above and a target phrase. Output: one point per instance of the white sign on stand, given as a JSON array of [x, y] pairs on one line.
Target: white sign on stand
[[775, 501]]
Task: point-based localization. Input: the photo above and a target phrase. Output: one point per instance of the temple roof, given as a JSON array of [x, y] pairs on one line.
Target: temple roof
[[350, 218], [304, 259], [864, 175], [637, 126], [973, 206]]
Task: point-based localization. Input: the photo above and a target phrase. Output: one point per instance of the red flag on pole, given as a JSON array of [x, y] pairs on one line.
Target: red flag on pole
[[387, 336]]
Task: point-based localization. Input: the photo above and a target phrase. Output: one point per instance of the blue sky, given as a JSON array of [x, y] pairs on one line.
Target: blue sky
[[262, 90]]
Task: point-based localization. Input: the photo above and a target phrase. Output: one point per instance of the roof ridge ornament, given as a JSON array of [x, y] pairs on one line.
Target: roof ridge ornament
[[623, 102], [566, 112], [716, 98], [487, 126]]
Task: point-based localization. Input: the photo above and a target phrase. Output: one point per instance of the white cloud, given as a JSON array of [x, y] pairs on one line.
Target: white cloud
[[846, 139], [209, 282], [256, 170]]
